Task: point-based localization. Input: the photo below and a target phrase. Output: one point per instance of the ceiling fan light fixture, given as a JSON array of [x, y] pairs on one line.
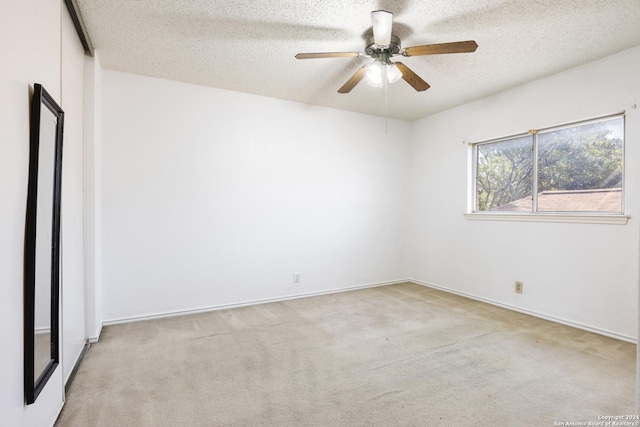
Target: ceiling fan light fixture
[[379, 71], [393, 73], [374, 74]]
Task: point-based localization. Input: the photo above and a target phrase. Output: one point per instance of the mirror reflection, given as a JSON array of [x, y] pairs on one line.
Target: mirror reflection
[[44, 243]]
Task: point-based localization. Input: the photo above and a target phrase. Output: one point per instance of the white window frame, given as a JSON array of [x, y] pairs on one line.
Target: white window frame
[[574, 217]]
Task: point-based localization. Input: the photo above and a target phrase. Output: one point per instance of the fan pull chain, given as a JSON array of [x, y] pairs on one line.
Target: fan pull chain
[[386, 100]]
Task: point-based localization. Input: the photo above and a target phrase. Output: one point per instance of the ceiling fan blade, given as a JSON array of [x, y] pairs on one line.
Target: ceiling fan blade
[[328, 55], [436, 49], [412, 78], [354, 80], [381, 23]]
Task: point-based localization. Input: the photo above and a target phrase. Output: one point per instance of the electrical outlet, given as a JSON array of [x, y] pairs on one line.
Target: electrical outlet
[[296, 277], [519, 287]]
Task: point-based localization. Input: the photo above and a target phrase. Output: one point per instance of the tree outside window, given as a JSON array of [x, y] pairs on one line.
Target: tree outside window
[[579, 168]]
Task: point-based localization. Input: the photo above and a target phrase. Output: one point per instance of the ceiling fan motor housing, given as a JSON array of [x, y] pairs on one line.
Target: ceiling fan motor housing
[[377, 52]]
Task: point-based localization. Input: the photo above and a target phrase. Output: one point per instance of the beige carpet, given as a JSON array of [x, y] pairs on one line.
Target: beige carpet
[[401, 355]]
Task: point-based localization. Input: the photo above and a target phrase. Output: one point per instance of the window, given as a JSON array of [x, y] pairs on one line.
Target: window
[[504, 175], [575, 168]]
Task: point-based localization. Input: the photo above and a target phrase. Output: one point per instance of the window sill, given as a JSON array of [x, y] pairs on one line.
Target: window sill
[[550, 217]]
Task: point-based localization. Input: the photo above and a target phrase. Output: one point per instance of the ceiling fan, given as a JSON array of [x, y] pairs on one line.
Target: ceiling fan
[[383, 46]]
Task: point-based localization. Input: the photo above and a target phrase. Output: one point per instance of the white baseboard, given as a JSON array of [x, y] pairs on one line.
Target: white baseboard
[[76, 365], [96, 336], [615, 335], [247, 303]]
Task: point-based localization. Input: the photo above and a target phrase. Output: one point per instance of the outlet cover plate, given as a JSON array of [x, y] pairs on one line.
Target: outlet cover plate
[[519, 287]]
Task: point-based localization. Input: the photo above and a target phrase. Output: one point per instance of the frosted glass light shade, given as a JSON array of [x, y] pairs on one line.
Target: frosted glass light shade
[[374, 74], [393, 73], [382, 22], [379, 71]]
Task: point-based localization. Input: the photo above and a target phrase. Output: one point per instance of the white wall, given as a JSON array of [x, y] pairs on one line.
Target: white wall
[[33, 36], [586, 274], [213, 197]]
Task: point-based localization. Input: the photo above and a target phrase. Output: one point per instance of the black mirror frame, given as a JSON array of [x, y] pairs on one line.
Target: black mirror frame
[[33, 386]]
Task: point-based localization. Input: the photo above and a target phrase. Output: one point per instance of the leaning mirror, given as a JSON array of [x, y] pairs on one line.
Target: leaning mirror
[[42, 243]]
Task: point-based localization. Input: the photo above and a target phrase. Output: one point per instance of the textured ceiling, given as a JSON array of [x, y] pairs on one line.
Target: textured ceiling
[[249, 45]]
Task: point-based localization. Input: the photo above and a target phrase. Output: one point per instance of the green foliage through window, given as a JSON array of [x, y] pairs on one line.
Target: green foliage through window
[[578, 168], [504, 173]]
